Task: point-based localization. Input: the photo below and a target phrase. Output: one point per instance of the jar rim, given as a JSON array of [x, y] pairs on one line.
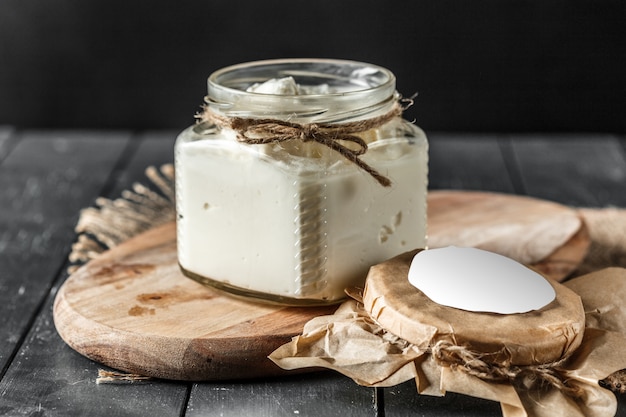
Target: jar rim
[[352, 84]]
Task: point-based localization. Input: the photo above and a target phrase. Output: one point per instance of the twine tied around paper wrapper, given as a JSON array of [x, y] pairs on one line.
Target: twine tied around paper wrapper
[[263, 131], [460, 358]]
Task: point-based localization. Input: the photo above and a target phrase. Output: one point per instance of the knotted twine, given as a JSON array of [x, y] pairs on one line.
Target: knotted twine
[[265, 131], [530, 376]]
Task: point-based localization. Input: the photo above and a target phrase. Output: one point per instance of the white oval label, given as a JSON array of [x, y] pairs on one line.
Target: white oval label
[[478, 280]]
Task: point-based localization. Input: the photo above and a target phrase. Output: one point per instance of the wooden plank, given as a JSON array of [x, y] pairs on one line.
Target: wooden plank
[[574, 169], [468, 162], [45, 180], [404, 401], [46, 376], [153, 148], [316, 394]]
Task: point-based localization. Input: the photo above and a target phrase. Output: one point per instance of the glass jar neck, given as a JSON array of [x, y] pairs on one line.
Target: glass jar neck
[[334, 91]]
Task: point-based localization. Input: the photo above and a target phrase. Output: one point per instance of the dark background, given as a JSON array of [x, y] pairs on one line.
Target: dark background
[[493, 65]]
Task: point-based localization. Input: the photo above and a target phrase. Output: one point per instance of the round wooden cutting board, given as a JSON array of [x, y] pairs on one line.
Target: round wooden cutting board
[[133, 310]]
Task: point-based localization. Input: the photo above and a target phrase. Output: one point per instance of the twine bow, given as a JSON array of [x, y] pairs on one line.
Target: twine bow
[[265, 131]]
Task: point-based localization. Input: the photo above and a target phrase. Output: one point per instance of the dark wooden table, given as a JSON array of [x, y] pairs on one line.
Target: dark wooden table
[[46, 177]]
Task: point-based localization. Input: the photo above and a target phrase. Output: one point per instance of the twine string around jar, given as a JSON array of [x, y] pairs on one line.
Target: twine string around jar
[[264, 131]]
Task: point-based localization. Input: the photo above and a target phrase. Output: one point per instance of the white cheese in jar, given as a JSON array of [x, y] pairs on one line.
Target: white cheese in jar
[[287, 86], [292, 225]]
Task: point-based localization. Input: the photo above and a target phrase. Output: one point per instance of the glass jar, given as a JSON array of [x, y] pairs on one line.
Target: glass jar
[[299, 176]]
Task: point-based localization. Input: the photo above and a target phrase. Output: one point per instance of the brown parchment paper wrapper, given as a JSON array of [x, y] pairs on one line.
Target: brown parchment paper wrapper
[[354, 344], [535, 337]]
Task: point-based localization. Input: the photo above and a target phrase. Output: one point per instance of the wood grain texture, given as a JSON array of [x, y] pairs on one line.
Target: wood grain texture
[[132, 309], [44, 181], [470, 161], [150, 149], [312, 394], [578, 170]]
